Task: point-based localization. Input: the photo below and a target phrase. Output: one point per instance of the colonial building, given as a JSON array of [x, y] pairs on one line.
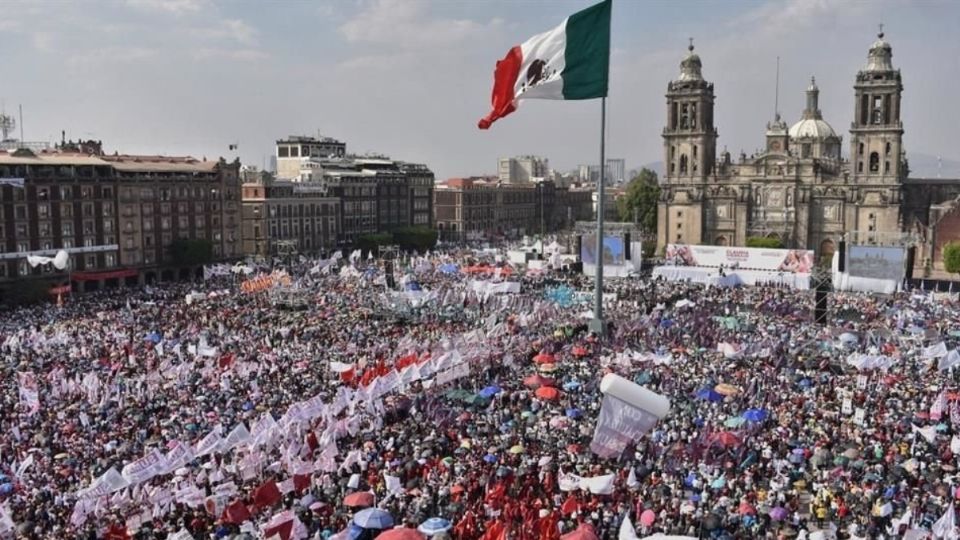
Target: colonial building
[[115, 215], [276, 211], [799, 189], [484, 208]]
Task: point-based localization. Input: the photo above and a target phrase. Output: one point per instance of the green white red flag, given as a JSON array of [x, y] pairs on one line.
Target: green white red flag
[[571, 61]]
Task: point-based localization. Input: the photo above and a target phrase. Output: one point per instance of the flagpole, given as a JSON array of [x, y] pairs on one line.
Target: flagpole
[[597, 325]]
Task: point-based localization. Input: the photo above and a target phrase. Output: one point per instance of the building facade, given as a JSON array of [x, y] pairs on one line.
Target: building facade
[[277, 211], [522, 169], [471, 209], [292, 151], [800, 189], [116, 216]]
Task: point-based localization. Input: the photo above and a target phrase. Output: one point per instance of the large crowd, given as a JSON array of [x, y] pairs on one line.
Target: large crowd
[[463, 411]]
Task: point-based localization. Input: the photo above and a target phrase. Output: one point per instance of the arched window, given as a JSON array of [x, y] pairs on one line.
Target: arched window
[[721, 240], [887, 150], [860, 149], [683, 164], [874, 162]]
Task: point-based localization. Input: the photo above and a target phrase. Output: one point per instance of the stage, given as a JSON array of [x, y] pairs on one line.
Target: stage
[[732, 278]]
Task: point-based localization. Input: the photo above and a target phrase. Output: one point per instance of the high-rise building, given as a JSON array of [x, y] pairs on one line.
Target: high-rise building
[[616, 171], [522, 169], [293, 150]]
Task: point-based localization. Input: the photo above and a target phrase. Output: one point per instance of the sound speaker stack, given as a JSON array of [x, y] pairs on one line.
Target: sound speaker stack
[[911, 260], [842, 263], [626, 246]]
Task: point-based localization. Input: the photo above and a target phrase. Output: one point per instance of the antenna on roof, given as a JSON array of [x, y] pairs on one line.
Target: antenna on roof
[[21, 126], [776, 94]]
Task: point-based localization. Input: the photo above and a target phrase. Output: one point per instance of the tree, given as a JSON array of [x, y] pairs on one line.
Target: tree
[[764, 242], [191, 252], [951, 257], [639, 203], [415, 238], [370, 242]]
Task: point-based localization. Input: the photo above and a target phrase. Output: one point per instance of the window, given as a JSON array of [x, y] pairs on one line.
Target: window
[[67, 229], [88, 242], [148, 225], [107, 209], [129, 243], [21, 229], [148, 240], [111, 260], [67, 243], [65, 192], [877, 114], [66, 210], [165, 223], [90, 261], [44, 229], [874, 162], [860, 167], [183, 222], [886, 151], [43, 194], [20, 212], [805, 150], [128, 226], [23, 247], [283, 151], [146, 193], [87, 209], [860, 149], [886, 166], [24, 268], [683, 164], [107, 225], [86, 192], [694, 150], [107, 193]]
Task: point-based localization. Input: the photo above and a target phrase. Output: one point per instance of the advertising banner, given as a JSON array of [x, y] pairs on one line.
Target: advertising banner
[[796, 261], [876, 262]]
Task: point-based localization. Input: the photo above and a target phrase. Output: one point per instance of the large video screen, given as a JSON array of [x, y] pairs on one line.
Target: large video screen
[[613, 253], [876, 262]]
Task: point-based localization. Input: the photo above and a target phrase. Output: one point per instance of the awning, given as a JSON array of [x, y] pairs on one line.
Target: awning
[[108, 274]]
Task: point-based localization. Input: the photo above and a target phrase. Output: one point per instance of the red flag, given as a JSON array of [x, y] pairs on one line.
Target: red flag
[[496, 531], [301, 482], [284, 530], [227, 360], [266, 495], [570, 505], [236, 513], [116, 532]]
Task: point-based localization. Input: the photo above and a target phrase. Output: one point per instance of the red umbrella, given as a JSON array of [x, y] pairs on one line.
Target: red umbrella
[[583, 532], [580, 351], [548, 393], [746, 510], [360, 499], [537, 380], [543, 358], [573, 448], [726, 438], [401, 534]]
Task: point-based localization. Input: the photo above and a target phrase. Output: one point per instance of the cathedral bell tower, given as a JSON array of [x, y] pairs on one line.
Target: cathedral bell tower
[[689, 139], [876, 134], [690, 149]]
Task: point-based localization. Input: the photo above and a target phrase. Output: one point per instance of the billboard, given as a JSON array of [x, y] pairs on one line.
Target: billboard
[[799, 261], [876, 262], [613, 253]]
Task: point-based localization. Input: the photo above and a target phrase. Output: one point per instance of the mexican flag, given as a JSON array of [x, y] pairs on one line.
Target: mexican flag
[[572, 61]]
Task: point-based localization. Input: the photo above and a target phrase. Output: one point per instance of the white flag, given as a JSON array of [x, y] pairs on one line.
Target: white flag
[[627, 532], [946, 526], [929, 433]]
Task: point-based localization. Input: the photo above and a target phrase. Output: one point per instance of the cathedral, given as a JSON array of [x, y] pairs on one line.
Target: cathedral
[[799, 189]]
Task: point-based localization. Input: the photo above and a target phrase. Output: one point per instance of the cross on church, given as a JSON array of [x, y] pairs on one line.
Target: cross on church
[[691, 44], [880, 34]]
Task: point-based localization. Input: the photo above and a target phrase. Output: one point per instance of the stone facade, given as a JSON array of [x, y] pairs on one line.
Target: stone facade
[[799, 189]]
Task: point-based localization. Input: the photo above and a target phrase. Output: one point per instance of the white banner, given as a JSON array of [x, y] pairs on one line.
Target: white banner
[[782, 260], [628, 411], [209, 443], [178, 456], [144, 468]]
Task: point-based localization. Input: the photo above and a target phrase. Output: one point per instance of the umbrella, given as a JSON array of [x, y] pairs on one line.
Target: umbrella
[[580, 351], [537, 380], [560, 422], [746, 510], [574, 413], [516, 449], [544, 358], [778, 514], [547, 393], [756, 415], [571, 385], [734, 421], [583, 532], [433, 526], [726, 439], [490, 458], [548, 368], [402, 533], [647, 517], [489, 391], [373, 518], [709, 394], [360, 499]]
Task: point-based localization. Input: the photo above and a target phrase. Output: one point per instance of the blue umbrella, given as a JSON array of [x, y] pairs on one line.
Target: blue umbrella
[[574, 413], [571, 385], [449, 268], [247, 406], [489, 391], [709, 394], [6, 488], [756, 415], [154, 337], [805, 383], [490, 458], [355, 532], [666, 323], [373, 518], [642, 378], [434, 526]]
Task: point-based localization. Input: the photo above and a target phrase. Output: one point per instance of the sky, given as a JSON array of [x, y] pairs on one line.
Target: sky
[[410, 78]]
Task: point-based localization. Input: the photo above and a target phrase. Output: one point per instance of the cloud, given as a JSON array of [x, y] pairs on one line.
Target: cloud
[[112, 55], [239, 55], [405, 24], [172, 7]]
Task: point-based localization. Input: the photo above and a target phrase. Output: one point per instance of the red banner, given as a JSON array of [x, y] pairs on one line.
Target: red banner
[[108, 274]]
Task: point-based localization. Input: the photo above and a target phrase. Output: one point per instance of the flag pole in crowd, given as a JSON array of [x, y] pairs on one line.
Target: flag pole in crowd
[[569, 62]]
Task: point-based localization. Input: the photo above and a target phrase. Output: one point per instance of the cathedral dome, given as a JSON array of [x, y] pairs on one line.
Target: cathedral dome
[[880, 55], [814, 128], [690, 66]]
